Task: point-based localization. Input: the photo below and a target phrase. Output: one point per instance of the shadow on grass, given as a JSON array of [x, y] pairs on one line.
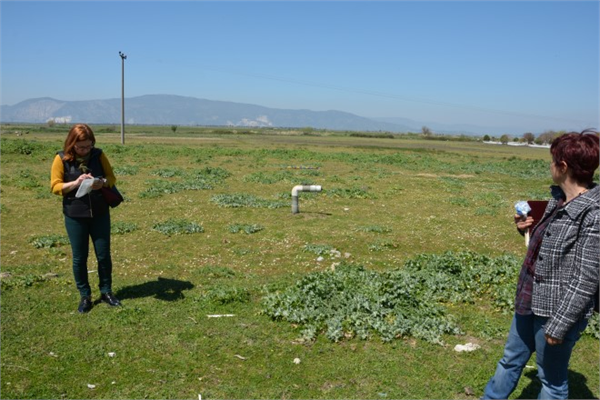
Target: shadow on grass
[[578, 388], [162, 289]]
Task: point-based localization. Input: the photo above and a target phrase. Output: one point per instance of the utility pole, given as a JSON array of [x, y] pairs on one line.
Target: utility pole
[[123, 58]]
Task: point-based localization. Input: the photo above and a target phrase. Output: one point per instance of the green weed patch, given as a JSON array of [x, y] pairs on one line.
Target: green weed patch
[[353, 301], [374, 229], [122, 227], [245, 200], [350, 193], [48, 241], [176, 226], [247, 228]]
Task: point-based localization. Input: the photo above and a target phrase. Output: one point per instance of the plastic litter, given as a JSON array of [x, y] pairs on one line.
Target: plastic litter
[[522, 208], [466, 347]]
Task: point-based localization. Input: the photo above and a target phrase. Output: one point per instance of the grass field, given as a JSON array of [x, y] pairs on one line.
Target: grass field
[[207, 229]]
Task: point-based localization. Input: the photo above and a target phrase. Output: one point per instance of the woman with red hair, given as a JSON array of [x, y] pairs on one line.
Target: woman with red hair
[[558, 283], [86, 216]]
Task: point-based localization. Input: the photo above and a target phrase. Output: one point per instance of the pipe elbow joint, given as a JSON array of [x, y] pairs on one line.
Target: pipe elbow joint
[[305, 188]]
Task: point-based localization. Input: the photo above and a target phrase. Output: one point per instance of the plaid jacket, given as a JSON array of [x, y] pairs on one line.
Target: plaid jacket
[[568, 263]]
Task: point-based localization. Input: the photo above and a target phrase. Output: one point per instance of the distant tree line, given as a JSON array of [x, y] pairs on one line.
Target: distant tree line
[[544, 138]]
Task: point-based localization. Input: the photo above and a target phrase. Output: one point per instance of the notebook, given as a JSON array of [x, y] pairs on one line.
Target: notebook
[[537, 210]]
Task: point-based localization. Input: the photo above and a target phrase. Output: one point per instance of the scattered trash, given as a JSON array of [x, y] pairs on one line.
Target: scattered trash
[[52, 354], [112, 354], [89, 385], [529, 366], [113, 382], [320, 258], [469, 391], [466, 347], [296, 360], [240, 357], [220, 315]]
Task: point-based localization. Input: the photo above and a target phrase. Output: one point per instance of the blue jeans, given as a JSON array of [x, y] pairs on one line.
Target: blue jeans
[[526, 336], [80, 230]]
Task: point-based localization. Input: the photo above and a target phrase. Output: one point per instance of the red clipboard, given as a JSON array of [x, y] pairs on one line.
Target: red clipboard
[[537, 210]]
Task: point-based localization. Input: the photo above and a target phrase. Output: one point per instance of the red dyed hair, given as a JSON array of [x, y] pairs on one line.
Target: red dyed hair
[[580, 152], [78, 133]]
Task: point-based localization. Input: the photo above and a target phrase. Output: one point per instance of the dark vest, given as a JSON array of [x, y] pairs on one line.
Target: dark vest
[[92, 204]]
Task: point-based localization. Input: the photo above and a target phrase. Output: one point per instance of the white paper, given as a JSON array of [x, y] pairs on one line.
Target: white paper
[[84, 188]]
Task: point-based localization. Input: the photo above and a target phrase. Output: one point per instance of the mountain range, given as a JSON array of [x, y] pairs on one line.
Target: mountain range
[[180, 110]]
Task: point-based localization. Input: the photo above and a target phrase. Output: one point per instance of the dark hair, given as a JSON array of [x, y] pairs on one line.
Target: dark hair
[[580, 152], [78, 133]]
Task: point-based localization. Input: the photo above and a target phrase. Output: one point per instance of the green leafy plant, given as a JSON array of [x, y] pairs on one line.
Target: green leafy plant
[[247, 228], [22, 281], [381, 245], [48, 241], [350, 193], [176, 226], [374, 229], [353, 301], [167, 172], [122, 227], [245, 200], [318, 249], [125, 170]]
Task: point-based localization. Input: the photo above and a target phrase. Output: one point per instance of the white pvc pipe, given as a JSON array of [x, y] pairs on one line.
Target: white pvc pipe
[[302, 188]]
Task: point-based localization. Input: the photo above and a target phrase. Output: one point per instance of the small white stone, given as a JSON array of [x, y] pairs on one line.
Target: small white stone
[[296, 360]]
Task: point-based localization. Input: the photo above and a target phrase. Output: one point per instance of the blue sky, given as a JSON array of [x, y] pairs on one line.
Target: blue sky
[[531, 66]]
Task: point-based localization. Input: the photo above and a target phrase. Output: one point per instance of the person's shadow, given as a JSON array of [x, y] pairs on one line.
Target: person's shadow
[[162, 289], [578, 388]]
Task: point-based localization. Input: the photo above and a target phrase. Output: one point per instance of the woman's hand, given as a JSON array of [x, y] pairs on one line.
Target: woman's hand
[[523, 224], [70, 186], [98, 183], [553, 341], [81, 178]]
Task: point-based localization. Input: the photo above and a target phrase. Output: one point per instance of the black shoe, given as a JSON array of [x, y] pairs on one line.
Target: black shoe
[[85, 305], [110, 299]]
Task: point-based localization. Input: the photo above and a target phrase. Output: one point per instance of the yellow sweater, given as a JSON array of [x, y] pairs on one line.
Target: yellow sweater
[[57, 174]]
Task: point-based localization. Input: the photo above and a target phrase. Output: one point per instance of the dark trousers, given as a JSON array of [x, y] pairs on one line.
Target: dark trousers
[[80, 230]]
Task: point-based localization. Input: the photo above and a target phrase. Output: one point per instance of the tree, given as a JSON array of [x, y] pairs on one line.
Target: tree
[[426, 131], [174, 128], [504, 139], [486, 138], [529, 137], [547, 137]]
